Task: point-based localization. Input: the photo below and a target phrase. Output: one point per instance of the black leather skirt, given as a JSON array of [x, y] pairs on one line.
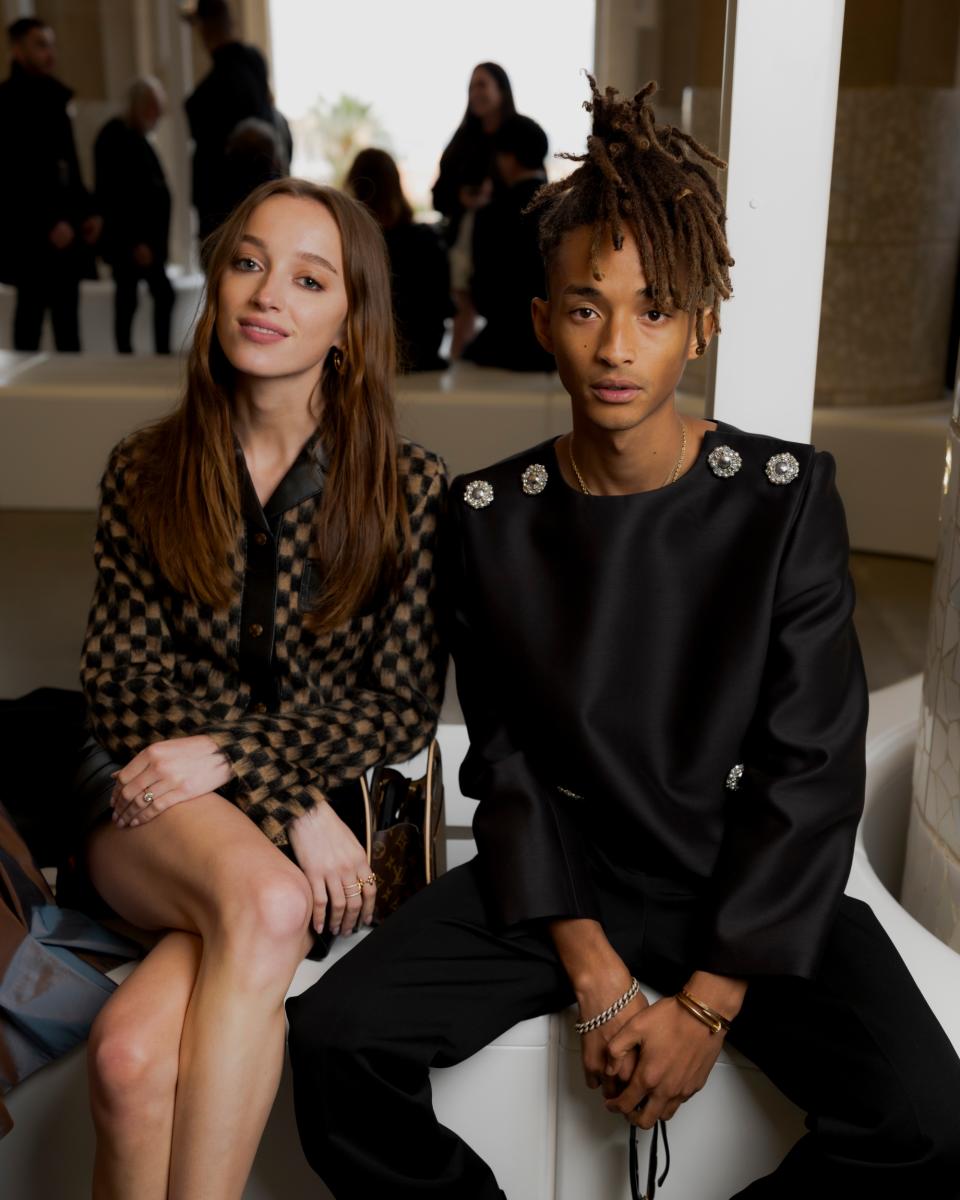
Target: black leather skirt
[[92, 789]]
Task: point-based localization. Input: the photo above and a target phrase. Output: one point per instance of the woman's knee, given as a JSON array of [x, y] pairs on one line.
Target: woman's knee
[[265, 920], [133, 1073]]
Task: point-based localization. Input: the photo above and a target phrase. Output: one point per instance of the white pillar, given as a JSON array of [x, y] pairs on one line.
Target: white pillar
[[782, 113]]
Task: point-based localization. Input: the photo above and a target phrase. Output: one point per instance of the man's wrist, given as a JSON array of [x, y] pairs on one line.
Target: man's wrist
[[589, 960], [723, 993]]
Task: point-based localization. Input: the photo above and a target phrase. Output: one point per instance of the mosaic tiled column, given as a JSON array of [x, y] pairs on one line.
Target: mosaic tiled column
[[931, 877], [892, 243], [891, 247]]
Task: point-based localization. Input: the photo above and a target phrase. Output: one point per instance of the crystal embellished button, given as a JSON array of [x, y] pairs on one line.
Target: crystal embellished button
[[478, 493], [734, 777], [782, 468], [724, 462], [534, 479]]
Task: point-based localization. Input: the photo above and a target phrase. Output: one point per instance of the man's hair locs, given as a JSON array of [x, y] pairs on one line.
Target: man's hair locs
[[645, 176]]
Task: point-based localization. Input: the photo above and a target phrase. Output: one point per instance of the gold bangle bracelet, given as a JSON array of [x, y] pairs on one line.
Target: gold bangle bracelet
[[713, 1020]]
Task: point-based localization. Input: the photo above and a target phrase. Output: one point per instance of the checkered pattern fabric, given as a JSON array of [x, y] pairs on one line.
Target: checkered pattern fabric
[[157, 666]]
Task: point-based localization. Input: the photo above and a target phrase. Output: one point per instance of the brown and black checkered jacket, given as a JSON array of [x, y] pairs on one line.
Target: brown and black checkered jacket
[[296, 713]]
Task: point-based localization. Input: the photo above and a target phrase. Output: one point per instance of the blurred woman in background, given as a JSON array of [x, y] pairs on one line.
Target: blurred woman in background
[[418, 261], [467, 180]]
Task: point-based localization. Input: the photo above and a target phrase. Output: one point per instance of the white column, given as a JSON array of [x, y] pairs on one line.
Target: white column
[[783, 107]]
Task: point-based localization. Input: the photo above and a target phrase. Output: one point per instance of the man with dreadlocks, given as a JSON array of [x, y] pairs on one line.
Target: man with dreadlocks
[[651, 623]]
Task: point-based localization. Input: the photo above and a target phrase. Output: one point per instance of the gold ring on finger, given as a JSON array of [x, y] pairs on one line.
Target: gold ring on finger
[[147, 798], [367, 880], [355, 891]]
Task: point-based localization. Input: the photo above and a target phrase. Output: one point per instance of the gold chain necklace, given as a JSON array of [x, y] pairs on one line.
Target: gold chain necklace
[[671, 478]]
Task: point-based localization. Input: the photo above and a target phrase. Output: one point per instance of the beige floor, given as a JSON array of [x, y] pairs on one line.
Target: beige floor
[[47, 579]]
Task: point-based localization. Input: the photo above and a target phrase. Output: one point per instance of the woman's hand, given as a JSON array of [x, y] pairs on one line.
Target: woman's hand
[[334, 862], [476, 195], [165, 774]]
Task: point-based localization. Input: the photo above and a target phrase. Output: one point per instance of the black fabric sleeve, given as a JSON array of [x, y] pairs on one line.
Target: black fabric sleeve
[[790, 833], [446, 189], [530, 856]]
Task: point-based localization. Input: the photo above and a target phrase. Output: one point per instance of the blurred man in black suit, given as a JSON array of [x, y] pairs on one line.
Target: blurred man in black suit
[[47, 220], [133, 196], [235, 89]]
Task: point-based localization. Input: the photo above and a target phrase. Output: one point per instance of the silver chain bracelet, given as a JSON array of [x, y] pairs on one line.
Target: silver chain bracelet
[[632, 991]]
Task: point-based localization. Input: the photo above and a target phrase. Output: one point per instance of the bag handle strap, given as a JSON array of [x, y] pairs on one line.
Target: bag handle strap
[[367, 818], [434, 767]]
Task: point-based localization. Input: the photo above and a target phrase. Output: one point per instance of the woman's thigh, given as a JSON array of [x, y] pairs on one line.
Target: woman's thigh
[[178, 870]]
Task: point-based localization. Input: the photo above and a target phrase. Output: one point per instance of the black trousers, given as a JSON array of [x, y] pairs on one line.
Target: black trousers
[[54, 286], [126, 279], [858, 1049]]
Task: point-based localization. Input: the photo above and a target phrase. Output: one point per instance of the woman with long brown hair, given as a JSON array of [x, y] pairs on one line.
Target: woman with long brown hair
[[419, 271], [262, 632], [467, 180]]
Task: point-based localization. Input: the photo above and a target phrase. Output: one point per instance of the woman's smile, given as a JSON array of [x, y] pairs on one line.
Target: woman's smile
[[261, 332]]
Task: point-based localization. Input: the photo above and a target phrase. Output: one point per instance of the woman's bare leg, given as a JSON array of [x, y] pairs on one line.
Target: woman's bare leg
[[134, 1052], [203, 867]]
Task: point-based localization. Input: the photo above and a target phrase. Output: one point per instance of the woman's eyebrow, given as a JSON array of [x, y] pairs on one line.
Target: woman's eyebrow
[[305, 254]]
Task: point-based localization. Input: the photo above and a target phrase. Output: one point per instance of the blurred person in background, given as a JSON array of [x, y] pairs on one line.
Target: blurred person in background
[[47, 220], [420, 274], [236, 87], [468, 179], [254, 154], [133, 196], [506, 247]]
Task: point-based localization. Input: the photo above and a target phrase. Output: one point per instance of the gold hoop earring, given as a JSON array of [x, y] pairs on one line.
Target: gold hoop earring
[[338, 359]]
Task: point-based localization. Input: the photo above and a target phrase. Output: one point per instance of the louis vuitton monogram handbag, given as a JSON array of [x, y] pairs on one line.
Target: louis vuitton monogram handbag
[[408, 845], [402, 828]]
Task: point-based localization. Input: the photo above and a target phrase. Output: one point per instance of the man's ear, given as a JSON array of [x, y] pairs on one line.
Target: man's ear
[[540, 311], [709, 329]]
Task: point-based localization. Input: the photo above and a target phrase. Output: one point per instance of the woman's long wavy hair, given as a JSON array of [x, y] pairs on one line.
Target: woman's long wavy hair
[[374, 180], [184, 498]]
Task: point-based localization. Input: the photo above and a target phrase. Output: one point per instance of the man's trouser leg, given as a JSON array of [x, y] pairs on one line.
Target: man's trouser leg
[[861, 1053], [65, 306], [161, 289], [28, 313], [858, 1048], [125, 281], [429, 988]]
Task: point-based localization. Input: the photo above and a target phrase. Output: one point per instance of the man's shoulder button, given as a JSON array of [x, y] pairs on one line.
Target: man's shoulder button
[[534, 479], [724, 462], [478, 493], [782, 468]]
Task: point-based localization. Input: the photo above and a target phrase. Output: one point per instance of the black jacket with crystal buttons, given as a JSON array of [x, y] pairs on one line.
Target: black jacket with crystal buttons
[[618, 656]]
